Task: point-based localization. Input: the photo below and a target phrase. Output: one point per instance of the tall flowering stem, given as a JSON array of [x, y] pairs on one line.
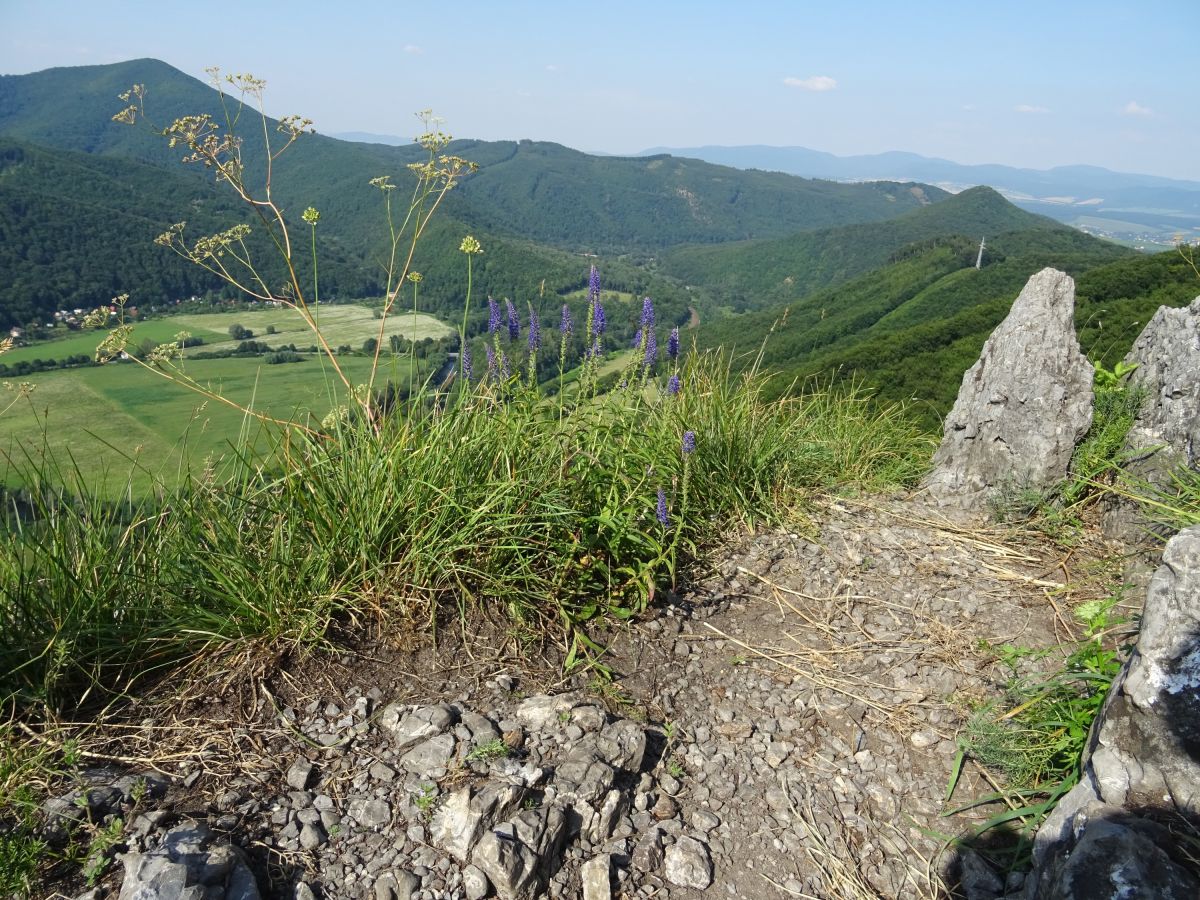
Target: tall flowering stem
[[535, 343], [565, 328], [514, 324], [472, 248]]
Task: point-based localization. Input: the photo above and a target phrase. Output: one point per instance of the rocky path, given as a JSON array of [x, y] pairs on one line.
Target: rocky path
[[785, 728]]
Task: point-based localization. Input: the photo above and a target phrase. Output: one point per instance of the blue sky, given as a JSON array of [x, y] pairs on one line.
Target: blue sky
[[1022, 83]]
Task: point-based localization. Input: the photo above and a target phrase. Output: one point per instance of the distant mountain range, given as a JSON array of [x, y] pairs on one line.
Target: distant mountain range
[[1136, 209]]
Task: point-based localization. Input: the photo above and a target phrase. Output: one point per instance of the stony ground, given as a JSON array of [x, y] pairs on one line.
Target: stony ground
[[785, 727]]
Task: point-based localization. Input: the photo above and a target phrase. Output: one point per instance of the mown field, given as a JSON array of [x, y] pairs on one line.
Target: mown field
[[114, 420], [341, 324]]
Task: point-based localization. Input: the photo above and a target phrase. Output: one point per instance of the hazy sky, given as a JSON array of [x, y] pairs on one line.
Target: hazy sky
[[1034, 84]]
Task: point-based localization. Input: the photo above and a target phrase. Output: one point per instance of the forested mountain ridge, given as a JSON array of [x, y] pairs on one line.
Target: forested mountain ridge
[[533, 204], [757, 274], [909, 329]]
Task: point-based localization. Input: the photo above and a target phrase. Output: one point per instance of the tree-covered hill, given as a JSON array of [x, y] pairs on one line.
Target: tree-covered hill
[[535, 206], [539, 191], [910, 328], [758, 274]]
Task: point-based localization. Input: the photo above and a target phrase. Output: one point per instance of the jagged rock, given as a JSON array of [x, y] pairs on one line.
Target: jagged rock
[[1022, 407], [1144, 752], [429, 758], [519, 856], [1147, 744], [623, 745], [369, 813], [1167, 354], [596, 878], [1166, 433], [648, 853], [536, 713], [688, 864], [1113, 853], [412, 728], [191, 864], [462, 819], [299, 774]]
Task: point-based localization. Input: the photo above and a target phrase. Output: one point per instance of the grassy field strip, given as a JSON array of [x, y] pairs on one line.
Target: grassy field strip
[[141, 414], [341, 325], [68, 415], [84, 342]]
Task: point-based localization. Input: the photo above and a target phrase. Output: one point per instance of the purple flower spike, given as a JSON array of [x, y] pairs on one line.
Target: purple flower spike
[[673, 344], [491, 358], [505, 368], [514, 324], [673, 385], [566, 326], [493, 316], [535, 332], [598, 323], [595, 348], [651, 348], [637, 340], [689, 442], [647, 313], [465, 359], [594, 283], [660, 511]]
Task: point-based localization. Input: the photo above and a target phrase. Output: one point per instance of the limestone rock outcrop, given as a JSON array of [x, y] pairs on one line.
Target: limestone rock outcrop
[[1166, 433], [1142, 767], [1022, 407]]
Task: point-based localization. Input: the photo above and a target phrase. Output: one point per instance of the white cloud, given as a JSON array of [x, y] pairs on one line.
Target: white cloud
[[1026, 108], [1133, 108], [413, 49], [813, 83]]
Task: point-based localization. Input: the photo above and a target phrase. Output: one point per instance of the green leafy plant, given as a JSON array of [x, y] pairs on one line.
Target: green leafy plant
[[490, 750], [424, 800]]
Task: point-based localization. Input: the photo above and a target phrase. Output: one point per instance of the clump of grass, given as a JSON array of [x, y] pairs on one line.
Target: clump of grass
[[479, 495], [1035, 736]]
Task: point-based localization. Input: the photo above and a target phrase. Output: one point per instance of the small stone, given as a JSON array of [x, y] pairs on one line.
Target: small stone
[[475, 883], [596, 878], [704, 821], [369, 813], [303, 892], [312, 836], [688, 864], [923, 740], [665, 808], [299, 774]]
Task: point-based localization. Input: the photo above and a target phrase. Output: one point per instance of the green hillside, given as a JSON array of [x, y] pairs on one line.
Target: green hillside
[[910, 329], [758, 274]]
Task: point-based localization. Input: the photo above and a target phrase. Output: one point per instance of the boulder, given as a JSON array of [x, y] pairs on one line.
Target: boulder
[[1022, 407], [1142, 763]]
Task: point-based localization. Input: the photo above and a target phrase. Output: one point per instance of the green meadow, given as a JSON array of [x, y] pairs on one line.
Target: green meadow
[[121, 421], [350, 324]]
